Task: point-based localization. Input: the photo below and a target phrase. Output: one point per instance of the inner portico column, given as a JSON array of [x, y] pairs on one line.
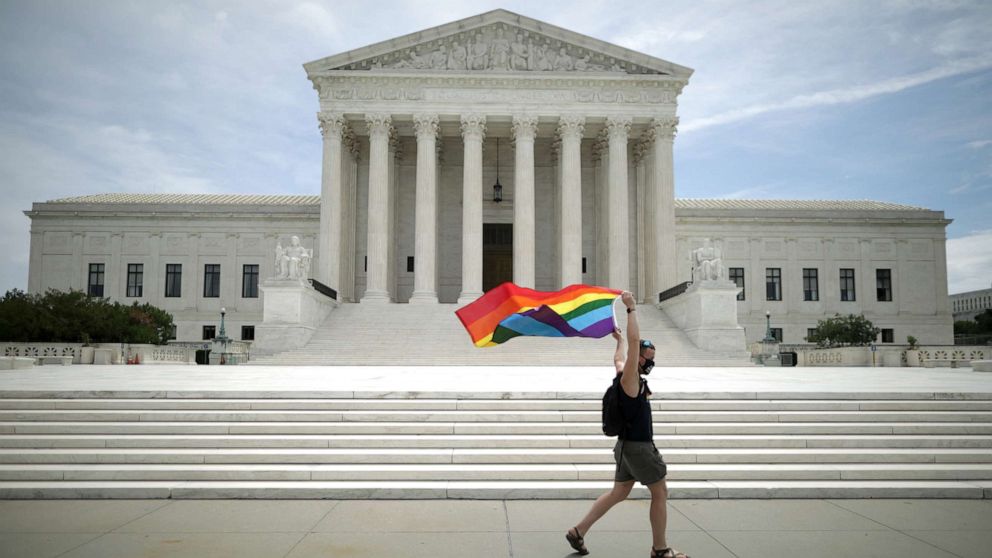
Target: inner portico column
[[663, 183], [332, 128], [378, 227], [618, 128], [425, 225], [473, 132], [570, 129], [524, 129]]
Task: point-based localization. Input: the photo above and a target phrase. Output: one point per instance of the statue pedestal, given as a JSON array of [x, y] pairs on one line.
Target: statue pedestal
[[707, 313], [291, 312]]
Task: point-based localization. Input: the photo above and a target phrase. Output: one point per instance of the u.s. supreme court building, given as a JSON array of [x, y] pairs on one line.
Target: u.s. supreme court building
[[578, 133]]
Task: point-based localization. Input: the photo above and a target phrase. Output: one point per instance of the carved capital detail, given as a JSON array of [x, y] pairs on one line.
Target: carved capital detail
[[618, 127], [474, 126], [426, 125], [379, 124], [665, 127], [331, 124], [571, 125], [524, 126]]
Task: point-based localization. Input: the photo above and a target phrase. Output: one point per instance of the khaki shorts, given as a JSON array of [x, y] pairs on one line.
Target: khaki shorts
[[641, 462]]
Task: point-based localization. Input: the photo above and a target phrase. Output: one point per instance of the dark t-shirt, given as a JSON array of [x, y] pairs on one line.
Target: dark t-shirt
[[637, 413]]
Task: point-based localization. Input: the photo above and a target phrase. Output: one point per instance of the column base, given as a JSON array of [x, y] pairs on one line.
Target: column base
[[467, 297], [376, 297], [424, 298]]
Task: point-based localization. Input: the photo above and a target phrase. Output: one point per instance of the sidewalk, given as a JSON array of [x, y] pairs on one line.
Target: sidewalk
[[479, 529]]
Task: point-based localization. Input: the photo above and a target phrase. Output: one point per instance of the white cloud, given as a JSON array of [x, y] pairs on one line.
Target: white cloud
[[844, 94], [969, 262], [978, 144]]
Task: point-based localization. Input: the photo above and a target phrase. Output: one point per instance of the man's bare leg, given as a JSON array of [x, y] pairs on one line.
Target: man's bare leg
[[603, 504], [659, 513]]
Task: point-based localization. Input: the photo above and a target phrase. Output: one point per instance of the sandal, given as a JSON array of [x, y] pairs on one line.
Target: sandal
[[576, 541], [667, 553]]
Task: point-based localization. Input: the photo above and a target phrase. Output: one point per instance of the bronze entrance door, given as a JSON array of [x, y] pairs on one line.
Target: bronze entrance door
[[497, 254]]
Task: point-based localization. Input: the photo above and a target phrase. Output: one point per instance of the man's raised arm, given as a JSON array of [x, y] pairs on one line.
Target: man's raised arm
[[631, 379]]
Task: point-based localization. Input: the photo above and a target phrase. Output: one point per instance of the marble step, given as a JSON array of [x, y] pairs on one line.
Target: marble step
[[594, 405], [501, 490], [487, 456], [40, 441], [662, 416], [494, 428], [493, 472]]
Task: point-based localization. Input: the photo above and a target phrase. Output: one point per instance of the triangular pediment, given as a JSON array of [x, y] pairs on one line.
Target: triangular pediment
[[497, 41]]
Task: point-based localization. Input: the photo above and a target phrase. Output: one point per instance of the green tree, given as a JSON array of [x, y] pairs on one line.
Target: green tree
[[839, 331]]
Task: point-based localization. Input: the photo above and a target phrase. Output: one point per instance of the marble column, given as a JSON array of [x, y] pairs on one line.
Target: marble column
[[618, 221], [332, 128], [426, 214], [473, 132], [79, 276], [640, 179], [524, 254], [392, 168], [570, 129], [34, 267], [662, 182], [376, 289]]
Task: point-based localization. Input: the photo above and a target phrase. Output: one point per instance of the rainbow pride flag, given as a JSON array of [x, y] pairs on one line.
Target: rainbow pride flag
[[507, 311]]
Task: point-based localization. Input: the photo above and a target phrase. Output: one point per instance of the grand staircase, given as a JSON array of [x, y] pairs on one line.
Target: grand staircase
[[414, 335], [487, 445]]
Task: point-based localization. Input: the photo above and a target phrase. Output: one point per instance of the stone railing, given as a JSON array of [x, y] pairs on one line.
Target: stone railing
[[146, 354], [885, 355]]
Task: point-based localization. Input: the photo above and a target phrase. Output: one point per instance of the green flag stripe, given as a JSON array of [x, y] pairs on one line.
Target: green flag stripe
[[587, 307]]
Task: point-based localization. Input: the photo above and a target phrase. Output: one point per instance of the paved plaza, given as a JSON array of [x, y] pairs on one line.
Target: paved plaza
[[478, 529]]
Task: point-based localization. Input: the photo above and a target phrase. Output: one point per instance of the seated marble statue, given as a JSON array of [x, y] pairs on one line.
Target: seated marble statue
[[293, 261], [707, 263]]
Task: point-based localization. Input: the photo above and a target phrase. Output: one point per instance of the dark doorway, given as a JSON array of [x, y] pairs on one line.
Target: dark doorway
[[497, 254]]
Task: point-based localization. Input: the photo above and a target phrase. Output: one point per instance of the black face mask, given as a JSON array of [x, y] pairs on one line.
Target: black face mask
[[647, 366]]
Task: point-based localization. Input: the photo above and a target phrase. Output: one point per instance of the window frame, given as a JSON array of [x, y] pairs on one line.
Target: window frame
[[852, 293], [811, 284], [741, 285], [212, 329], [97, 271], [209, 286], [173, 278], [773, 276], [135, 280], [246, 328], [883, 285], [249, 281]]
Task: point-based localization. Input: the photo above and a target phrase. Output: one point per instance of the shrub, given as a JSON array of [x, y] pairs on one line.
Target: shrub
[[73, 317], [839, 331]]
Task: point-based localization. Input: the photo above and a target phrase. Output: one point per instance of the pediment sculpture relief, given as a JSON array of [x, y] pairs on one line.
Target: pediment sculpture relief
[[499, 47]]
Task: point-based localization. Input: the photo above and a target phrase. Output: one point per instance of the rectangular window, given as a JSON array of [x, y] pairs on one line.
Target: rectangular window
[[811, 284], [209, 332], [847, 293], [883, 285], [173, 280], [247, 333], [135, 279], [173, 332], [810, 332], [249, 281], [211, 281], [737, 276], [888, 336], [94, 285], [773, 283], [583, 264], [409, 264], [777, 334]]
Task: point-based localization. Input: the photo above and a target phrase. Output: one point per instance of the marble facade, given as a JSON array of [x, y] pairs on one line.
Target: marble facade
[[585, 134]]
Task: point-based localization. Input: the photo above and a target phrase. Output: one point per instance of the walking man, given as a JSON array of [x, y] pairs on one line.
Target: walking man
[[636, 456]]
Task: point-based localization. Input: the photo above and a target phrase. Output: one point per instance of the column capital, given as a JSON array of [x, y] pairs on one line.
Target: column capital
[[618, 127], [425, 125], [664, 127], [379, 124], [640, 150], [331, 124], [524, 126], [571, 126], [474, 126]]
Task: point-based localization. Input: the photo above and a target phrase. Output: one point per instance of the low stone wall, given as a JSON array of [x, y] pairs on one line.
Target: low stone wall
[[147, 354], [885, 355]]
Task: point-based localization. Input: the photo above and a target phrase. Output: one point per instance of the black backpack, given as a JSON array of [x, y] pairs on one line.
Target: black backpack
[[613, 421]]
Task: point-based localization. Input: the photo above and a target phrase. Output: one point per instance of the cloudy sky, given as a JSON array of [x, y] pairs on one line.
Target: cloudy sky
[[885, 100]]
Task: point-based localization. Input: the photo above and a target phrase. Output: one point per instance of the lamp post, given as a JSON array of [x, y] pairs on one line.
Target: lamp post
[[769, 353], [497, 188], [222, 312], [768, 327], [222, 338]]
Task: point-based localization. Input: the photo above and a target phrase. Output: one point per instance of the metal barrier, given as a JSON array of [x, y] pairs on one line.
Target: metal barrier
[[324, 289], [674, 291]]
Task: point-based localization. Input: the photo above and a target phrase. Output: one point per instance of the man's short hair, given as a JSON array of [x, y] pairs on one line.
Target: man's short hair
[[645, 345]]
